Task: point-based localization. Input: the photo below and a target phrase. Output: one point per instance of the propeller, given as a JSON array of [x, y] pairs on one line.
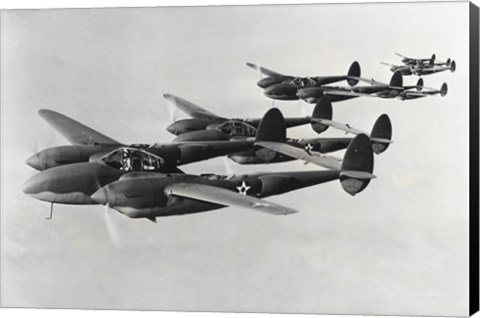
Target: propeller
[[112, 228], [173, 113], [228, 165]]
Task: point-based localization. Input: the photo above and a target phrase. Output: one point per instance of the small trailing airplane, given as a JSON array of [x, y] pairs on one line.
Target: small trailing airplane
[[90, 145], [394, 89], [285, 87], [423, 66], [310, 150], [150, 195], [207, 126]]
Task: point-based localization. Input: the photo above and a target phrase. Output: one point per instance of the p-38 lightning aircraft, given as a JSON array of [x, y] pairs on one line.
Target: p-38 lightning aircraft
[[90, 145], [394, 89], [419, 67], [205, 125], [310, 150], [152, 195], [285, 87]]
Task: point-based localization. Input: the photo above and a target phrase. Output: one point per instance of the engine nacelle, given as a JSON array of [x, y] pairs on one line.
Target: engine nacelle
[[266, 155], [190, 153], [272, 184]]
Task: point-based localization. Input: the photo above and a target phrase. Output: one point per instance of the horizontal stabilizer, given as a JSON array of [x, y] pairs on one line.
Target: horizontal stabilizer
[[302, 154], [358, 174], [75, 132], [345, 127], [225, 197]]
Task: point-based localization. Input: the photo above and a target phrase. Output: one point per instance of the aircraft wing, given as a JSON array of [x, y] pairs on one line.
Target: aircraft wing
[[302, 154], [371, 81], [75, 132], [225, 197], [263, 70], [337, 92], [289, 121], [190, 109], [340, 126]]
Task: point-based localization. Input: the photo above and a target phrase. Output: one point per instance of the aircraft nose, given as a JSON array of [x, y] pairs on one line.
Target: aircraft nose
[[33, 185], [34, 162], [100, 196], [172, 128]]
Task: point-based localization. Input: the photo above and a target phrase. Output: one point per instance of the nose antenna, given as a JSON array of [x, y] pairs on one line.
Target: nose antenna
[[51, 212]]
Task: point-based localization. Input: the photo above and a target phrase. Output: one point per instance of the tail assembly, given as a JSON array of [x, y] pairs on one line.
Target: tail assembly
[[397, 80], [381, 134], [432, 60], [453, 66], [449, 61], [323, 110], [271, 128], [444, 89], [353, 74], [419, 84], [357, 165]]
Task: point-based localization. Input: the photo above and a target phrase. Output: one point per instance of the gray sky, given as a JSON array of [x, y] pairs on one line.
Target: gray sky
[[399, 247]]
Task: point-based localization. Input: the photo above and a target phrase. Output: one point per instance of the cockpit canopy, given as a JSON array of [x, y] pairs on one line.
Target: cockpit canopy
[[304, 81], [237, 128], [131, 159]]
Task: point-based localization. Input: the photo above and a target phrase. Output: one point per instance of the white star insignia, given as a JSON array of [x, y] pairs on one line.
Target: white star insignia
[[308, 148], [243, 188]]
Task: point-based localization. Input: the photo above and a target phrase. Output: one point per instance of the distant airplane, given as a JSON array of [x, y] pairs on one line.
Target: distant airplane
[[285, 87], [423, 66], [207, 126], [156, 195], [90, 145], [394, 89]]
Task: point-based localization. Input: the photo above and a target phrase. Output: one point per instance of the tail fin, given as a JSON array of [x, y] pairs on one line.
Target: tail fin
[[357, 165], [353, 73], [432, 60], [271, 128], [449, 61], [381, 134], [419, 84], [453, 66], [444, 89], [397, 80], [323, 110]]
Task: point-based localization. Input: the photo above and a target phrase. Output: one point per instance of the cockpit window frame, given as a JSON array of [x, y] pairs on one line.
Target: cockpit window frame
[[129, 159]]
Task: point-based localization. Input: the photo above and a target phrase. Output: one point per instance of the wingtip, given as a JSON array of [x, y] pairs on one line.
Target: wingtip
[[45, 112]]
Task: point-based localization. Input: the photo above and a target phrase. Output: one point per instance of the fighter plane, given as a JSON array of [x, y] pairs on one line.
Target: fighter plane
[[149, 195], [74, 183], [90, 145], [207, 126], [394, 89], [310, 150], [419, 67], [320, 120], [285, 87]]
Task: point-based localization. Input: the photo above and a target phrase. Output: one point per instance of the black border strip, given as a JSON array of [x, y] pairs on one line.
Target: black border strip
[[474, 175]]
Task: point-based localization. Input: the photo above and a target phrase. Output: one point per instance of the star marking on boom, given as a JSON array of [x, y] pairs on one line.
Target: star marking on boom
[[243, 188], [308, 148]]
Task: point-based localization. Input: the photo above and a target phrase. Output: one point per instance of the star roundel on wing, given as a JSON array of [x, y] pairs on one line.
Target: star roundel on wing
[[243, 188]]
